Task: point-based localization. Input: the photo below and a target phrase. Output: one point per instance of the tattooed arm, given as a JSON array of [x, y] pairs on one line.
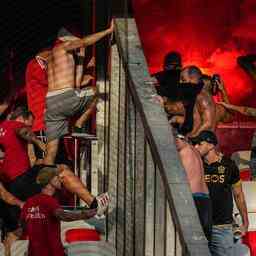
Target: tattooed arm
[[206, 108], [223, 91], [26, 134], [247, 111]]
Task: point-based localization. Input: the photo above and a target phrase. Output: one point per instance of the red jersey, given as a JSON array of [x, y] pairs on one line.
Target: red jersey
[[16, 160], [42, 227], [36, 87]]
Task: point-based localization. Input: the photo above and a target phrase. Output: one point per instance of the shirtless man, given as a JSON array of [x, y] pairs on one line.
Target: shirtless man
[[205, 103], [65, 98], [193, 166], [192, 75]]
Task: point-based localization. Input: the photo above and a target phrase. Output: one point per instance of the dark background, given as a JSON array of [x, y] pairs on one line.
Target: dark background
[[28, 26]]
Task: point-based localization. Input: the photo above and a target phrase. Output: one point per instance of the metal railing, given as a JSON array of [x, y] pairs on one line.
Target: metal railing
[[152, 211]]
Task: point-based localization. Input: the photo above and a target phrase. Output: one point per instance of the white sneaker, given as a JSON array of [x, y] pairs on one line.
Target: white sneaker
[[103, 202]]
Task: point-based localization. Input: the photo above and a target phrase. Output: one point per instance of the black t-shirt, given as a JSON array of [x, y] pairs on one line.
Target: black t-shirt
[[220, 177]]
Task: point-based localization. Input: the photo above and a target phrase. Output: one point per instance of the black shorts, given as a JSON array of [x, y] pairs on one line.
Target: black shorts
[[23, 187], [204, 209]]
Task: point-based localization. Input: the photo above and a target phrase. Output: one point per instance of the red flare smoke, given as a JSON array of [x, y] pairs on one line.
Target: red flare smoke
[[210, 34]]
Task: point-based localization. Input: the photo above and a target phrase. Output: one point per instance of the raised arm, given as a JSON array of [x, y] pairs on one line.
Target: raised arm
[[223, 91], [241, 109], [89, 40], [72, 216]]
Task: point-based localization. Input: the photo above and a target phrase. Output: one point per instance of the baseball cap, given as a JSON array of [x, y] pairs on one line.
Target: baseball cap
[[46, 174], [207, 136]]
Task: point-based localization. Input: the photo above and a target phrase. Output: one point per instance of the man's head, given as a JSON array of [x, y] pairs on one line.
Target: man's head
[[180, 141], [207, 81], [205, 142], [191, 74], [22, 114], [172, 61], [48, 176], [65, 35]]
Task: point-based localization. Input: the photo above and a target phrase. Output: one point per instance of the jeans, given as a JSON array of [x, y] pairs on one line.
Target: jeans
[[222, 242]]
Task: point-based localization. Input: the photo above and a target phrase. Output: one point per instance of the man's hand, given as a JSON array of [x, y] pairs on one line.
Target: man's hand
[[223, 104], [86, 80], [91, 63], [244, 229], [21, 204], [112, 26], [220, 84], [158, 99]]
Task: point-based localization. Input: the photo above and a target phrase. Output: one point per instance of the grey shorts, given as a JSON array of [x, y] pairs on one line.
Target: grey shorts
[[60, 106]]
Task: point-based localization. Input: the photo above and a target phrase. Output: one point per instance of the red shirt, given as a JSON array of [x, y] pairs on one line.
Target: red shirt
[[16, 160], [36, 87], [42, 227]]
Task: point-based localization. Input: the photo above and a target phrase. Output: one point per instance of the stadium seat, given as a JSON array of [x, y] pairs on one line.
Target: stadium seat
[[82, 234]]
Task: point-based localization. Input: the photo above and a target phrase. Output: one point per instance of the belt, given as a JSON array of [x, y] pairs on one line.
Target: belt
[[223, 226]]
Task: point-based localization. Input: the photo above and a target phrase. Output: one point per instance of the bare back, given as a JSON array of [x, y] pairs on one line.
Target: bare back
[[61, 69], [193, 165]]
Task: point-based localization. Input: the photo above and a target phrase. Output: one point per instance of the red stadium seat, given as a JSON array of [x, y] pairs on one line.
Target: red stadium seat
[[245, 175], [78, 235]]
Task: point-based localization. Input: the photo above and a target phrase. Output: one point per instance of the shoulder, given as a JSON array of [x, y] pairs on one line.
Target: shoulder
[[227, 160], [229, 164], [12, 124]]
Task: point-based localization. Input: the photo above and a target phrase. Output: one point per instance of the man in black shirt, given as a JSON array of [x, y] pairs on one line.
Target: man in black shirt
[[223, 180]]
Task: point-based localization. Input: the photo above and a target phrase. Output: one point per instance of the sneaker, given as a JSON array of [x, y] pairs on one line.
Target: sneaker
[[103, 202]]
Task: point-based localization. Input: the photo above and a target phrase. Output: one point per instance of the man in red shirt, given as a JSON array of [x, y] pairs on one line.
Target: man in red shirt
[[41, 216], [14, 137], [15, 134]]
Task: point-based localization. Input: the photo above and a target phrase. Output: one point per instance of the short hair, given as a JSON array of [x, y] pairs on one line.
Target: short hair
[[194, 71], [172, 57], [21, 111], [46, 174]]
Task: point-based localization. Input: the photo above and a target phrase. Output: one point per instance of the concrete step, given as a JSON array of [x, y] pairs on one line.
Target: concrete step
[[90, 249]]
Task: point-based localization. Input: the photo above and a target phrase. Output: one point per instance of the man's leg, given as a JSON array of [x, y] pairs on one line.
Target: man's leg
[[73, 184], [89, 109], [51, 152], [222, 241], [10, 238]]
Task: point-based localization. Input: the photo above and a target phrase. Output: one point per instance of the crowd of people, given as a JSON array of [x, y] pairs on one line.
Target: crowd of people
[[58, 88], [187, 97]]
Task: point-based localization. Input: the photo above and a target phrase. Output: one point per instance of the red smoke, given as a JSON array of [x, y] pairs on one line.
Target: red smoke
[[210, 34]]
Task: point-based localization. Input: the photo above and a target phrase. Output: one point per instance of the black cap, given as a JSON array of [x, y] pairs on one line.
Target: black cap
[[207, 136]]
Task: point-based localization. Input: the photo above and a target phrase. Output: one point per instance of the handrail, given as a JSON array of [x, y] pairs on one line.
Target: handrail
[[172, 188]]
